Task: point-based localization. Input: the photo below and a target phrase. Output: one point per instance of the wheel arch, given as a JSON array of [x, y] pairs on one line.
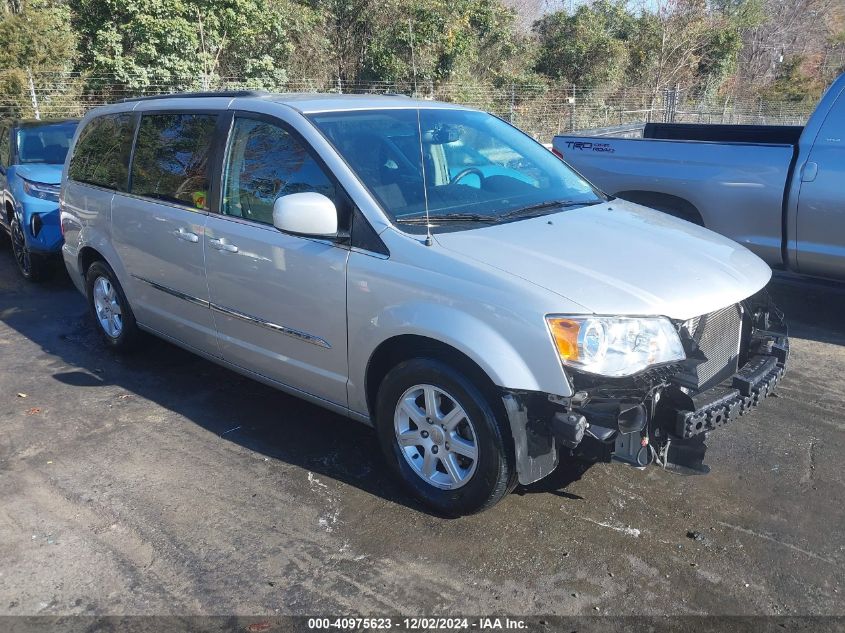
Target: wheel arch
[[92, 245], [512, 350], [404, 347], [666, 203], [88, 255], [531, 463]]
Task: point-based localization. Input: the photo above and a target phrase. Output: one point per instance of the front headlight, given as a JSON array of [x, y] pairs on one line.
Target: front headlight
[[41, 190], [615, 346]]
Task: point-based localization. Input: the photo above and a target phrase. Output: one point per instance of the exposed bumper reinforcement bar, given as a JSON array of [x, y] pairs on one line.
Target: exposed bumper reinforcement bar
[[724, 403]]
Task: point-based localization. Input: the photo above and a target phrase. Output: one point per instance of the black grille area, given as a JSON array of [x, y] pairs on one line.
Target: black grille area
[[712, 347]]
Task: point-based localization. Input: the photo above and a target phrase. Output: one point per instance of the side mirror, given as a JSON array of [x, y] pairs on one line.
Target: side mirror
[[306, 213]]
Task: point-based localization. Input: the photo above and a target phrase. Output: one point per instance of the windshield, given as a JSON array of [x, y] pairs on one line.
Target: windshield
[[467, 166], [46, 143]]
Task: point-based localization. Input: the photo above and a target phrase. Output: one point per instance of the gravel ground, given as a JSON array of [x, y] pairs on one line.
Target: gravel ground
[[162, 484]]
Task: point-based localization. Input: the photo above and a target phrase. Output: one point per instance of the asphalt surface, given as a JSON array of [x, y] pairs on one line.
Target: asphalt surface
[[162, 484]]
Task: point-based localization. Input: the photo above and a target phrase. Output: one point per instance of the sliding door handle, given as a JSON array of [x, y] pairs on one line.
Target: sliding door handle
[[222, 245], [182, 234]]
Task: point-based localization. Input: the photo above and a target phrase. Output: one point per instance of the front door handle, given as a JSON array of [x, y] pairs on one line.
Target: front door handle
[[220, 245], [182, 234]]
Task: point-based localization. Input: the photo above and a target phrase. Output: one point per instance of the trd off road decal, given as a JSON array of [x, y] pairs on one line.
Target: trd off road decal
[[590, 147]]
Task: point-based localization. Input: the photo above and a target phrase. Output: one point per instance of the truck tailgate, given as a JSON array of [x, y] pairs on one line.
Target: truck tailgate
[[736, 188]]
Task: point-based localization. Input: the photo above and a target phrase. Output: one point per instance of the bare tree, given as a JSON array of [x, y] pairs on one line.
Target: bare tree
[[789, 28]]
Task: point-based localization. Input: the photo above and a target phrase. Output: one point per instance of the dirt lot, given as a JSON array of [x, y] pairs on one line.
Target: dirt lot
[[161, 483]]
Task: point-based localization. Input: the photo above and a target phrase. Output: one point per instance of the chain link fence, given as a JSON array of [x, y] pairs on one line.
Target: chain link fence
[[541, 109]]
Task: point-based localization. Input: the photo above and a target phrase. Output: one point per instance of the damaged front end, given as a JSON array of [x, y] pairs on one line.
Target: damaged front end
[[734, 359]]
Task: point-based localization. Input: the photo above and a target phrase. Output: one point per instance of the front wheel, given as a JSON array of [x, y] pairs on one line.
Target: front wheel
[[110, 309], [32, 267], [441, 434]]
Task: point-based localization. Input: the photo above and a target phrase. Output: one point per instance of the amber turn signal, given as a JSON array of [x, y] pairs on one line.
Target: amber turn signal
[[565, 334]]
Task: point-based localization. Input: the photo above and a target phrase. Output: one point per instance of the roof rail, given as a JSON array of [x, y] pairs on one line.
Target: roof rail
[[197, 95]]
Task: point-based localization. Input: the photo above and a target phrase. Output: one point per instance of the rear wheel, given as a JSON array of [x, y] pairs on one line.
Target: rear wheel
[[441, 434], [32, 266], [110, 309]]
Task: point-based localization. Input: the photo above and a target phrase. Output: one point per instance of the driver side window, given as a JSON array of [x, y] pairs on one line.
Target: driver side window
[[263, 162]]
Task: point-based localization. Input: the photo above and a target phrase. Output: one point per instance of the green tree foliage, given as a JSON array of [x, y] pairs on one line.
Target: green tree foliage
[[589, 47], [793, 84], [430, 40], [36, 34], [686, 42], [675, 41], [122, 47], [36, 39], [189, 43], [348, 26]]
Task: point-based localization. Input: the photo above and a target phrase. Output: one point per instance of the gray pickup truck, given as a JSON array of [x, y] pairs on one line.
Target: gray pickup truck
[[779, 190]]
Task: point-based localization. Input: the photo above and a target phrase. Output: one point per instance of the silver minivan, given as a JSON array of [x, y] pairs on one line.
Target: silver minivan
[[424, 268]]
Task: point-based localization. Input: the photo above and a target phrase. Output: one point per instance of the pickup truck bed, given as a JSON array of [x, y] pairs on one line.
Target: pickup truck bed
[[779, 190]]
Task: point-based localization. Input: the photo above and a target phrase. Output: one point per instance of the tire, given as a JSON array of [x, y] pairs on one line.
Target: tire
[[456, 484], [31, 266], [112, 314]]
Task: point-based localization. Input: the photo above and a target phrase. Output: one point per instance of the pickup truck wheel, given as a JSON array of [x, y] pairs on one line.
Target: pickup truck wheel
[[441, 435], [110, 309], [32, 267]]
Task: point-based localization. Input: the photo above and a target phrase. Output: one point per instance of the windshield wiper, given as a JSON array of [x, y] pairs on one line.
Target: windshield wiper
[[533, 209], [449, 217]]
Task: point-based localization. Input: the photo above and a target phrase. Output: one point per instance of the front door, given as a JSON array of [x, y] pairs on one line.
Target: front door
[[279, 300], [821, 204], [158, 229]]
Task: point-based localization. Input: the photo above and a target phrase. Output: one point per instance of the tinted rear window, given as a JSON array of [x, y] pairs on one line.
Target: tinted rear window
[[171, 158], [101, 154]]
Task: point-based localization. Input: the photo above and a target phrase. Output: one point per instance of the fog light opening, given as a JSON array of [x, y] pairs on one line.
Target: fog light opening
[[632, 420], [35, 224]]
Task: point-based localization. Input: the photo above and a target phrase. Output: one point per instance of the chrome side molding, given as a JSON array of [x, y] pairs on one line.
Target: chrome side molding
[[282, 329], [287, 331]]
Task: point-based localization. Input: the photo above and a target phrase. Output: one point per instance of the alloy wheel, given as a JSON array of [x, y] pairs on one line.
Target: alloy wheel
[[21, 252], [107, 307], [436, 437]]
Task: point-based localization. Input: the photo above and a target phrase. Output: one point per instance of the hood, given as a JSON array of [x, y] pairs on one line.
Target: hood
[[40, 172], [619, 258]]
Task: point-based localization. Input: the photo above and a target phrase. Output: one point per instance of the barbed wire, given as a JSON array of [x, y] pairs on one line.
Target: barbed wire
[[542, 109]]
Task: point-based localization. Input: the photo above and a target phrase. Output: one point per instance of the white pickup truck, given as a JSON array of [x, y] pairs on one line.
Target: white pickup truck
[[779, 190]]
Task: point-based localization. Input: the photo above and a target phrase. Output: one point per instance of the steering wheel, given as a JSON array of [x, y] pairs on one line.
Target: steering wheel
[[466, 172]]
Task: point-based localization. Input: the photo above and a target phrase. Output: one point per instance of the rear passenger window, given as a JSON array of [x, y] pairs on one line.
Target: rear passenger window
[[101, 154], [265, 162], [171, 158]]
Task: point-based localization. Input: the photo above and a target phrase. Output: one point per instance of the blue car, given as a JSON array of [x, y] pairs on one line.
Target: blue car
[[32, 154]]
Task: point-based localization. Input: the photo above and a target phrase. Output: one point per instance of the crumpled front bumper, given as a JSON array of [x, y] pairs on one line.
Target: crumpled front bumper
[[652, 416]]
